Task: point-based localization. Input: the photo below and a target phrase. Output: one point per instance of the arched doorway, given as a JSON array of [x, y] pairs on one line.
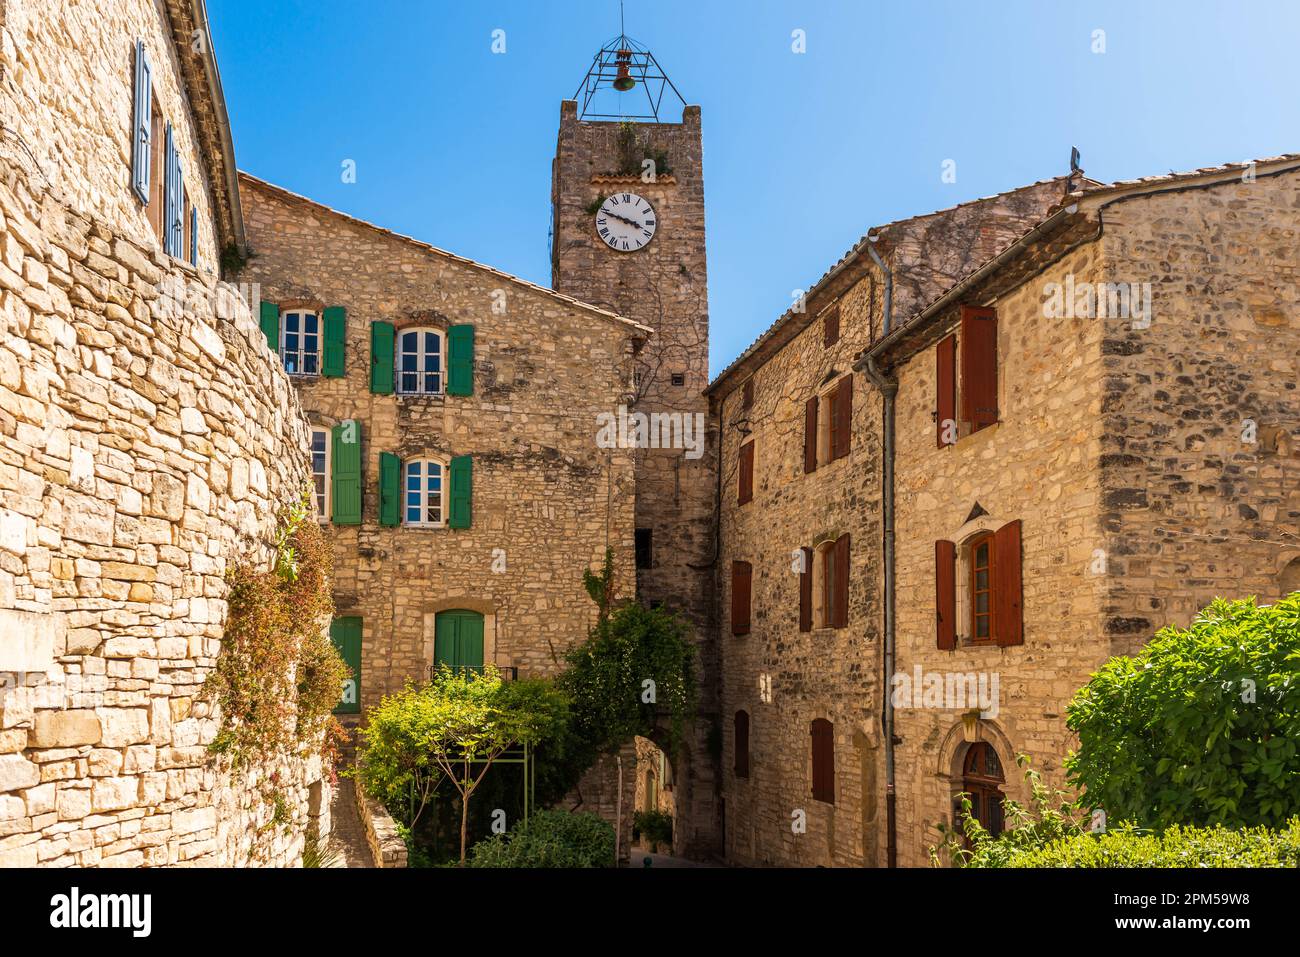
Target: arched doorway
[[458, 640], [655, 799]]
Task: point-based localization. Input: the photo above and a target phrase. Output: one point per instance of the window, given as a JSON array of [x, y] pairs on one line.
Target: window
[[824, 588], [645, 548], [419, 362], [982, 779], [300, 342], [823, 761], [320, 466], [423, 484], [679, 378], [978, 589], [974, 353], [742, 744], [745, 474], [828, 424], [741, 577], [981, 588], [831, 327], [747, 394]]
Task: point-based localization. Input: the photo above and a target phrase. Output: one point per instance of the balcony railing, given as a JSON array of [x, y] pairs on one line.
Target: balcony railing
[[507, 672]]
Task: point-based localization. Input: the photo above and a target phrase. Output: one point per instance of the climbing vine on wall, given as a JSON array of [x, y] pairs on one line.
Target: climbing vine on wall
[[278, 676]]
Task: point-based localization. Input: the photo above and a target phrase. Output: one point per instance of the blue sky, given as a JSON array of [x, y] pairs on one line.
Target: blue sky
[[803, 152]]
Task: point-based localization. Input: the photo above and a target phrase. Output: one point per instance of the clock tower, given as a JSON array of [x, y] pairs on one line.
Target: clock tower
[[627, 190]]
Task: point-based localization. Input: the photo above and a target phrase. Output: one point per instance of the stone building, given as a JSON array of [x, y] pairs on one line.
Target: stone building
[[1138, 462], [462, 525], [799, 563], [147, 440], [657, 276], [1094, 415]]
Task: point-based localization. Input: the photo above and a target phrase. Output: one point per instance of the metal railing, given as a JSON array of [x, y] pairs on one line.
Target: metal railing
[[507, 672]]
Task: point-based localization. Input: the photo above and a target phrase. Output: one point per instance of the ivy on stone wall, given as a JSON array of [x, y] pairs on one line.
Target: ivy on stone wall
[[278, 676]]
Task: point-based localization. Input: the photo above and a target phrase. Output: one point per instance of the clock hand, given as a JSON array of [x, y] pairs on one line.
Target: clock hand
[[630, 222]]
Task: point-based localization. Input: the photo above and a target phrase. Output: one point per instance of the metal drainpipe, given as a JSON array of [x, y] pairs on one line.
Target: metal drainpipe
[[889, 390]]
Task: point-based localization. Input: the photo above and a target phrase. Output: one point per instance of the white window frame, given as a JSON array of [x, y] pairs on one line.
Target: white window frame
[[324, 513], [420, 355], [424, 493], [300, 352]]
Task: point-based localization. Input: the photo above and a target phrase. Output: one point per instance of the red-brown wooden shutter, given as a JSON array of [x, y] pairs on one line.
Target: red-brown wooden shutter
[[741, 575], [810, 436], [745, 479], [840, 599], [979, 366], [742, 744], [831, 327], [806, 591], [843, 417], [823, 761], [946, 386], [945, 594], [1008, 615]]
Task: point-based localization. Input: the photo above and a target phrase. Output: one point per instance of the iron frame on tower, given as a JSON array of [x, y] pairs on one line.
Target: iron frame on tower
[[624, 57]]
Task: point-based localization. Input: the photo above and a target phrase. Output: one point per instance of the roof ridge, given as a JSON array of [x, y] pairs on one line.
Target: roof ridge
[[465, 260]]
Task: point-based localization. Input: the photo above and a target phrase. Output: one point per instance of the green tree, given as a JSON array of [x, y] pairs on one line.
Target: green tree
[[1199, 728], [452, 729]]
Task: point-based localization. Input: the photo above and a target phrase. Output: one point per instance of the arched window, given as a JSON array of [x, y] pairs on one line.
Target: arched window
[[823, 761], [1290, 578], [424, 493], [742, 744], [982, 779], [419, 362], [981, 588], [300, 342]]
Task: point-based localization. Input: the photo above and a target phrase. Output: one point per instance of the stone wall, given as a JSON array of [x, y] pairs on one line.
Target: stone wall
[[782, 678], [146, 441], [1200, 458]]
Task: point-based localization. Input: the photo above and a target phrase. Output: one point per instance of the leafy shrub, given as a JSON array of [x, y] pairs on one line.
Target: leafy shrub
[[655, 827], [1199, 728], [1177, 847], [549, 839]]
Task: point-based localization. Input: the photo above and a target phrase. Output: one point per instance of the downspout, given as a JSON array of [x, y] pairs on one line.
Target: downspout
[[888, 387]]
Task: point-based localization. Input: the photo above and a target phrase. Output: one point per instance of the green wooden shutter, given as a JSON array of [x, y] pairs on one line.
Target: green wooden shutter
[[390, 489], [381, 358], [458, 640], [345, 473], [270, 322], [462, 492], [346, 635], [335, 325], [460, 360]]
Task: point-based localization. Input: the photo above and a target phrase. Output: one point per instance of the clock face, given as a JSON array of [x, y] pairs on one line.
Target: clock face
[[626, 222]]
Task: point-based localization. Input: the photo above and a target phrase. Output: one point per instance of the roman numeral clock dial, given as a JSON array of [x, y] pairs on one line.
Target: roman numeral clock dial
[[626, 222]]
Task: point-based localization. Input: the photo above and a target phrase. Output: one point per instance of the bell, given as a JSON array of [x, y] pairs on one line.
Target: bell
[[624, 82]]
